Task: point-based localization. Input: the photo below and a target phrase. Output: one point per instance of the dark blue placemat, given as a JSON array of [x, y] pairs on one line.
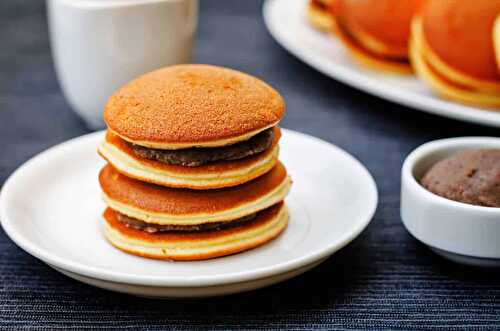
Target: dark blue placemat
[[384, 279]]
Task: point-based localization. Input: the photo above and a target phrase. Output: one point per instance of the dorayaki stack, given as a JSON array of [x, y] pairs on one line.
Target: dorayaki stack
[[193, 167]]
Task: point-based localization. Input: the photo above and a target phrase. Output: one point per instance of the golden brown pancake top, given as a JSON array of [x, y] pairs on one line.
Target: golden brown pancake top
[[159, 199], [192, 104], [385, 20], [267, 215], [460, 32]]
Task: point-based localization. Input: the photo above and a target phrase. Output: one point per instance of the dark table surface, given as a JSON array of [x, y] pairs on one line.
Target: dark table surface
[[384, 279]]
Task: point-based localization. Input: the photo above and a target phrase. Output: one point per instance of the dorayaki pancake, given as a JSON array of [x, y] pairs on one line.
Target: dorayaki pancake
[[196, 156], [449, 30], [376, 32], [199, 245], [211, 176], [193, 105], [371, 60], [320, 16], [460, 33], [183, 207], [441, 84], [382, 27]]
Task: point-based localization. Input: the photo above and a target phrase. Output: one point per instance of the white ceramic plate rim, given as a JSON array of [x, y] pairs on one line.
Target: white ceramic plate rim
[[357, 79], [101, 273]]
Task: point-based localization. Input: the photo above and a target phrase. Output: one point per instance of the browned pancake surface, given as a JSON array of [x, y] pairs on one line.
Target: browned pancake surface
[[192, 104], [262, 217], [161, 199]]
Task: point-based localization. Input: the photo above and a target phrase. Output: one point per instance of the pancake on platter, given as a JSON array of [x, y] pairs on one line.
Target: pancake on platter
[[443, 35], [320, 16], [377, 32], [192, 105]]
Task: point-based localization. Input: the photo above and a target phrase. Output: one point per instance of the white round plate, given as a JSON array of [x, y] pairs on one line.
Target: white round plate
[[285, 19], [51, 207]]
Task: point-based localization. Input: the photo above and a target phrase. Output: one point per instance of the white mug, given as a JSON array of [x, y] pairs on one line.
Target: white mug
[[98, 45]]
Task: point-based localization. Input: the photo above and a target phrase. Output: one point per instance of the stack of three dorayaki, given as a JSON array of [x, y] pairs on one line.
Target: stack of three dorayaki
[[193, 167]]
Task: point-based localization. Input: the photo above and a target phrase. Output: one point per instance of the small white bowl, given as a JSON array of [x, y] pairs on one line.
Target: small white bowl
[[461, 232]]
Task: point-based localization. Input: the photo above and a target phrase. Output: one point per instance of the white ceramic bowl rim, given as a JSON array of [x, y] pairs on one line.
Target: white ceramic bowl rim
[[444, 144], [100, 273]]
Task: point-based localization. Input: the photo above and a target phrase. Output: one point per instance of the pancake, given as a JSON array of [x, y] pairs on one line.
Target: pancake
[[382, 27], [371, 60], [319, 15], [211, 176], [182, 207], [266, 225], [195, 157], [444, 85], [457, 39], [186, 106], [447, 31], [377, 32]]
